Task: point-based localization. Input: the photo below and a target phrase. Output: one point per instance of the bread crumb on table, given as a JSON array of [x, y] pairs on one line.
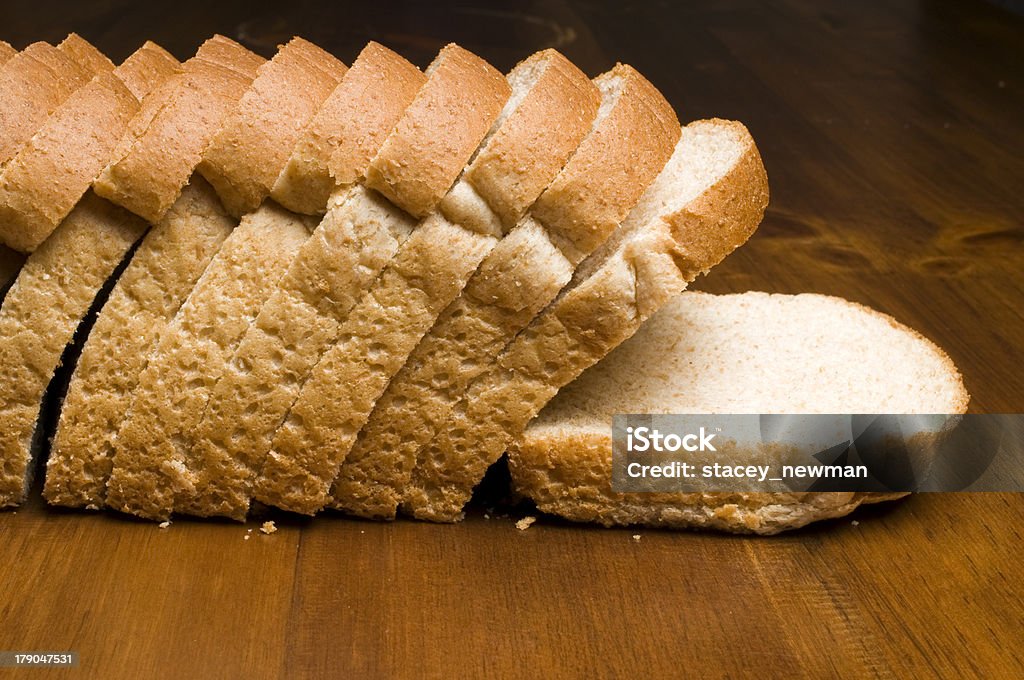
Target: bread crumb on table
[[855, 523], [525, 523], [164, 525], [637, 537], [268, 528]]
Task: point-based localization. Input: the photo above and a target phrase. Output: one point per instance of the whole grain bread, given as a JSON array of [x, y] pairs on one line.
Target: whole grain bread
[[147, 296], [34, 82], [627, 145], [247, 154], [749, 353], [40, 313], [439, 133], [166, 139], [173, 389], [706, 202], [51, 172], [349, 247]]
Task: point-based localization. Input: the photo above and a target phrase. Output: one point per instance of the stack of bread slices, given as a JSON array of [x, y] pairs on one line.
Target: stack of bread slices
[[308, 285]]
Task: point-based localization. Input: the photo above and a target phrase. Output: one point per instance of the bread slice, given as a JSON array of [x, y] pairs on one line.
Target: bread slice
[[353, 242], [417, 165], [353, 122], [153, 442], [40, 313], [628, 144], [749, 353], [247, 154], [34, 82], [43, 182], [147, 296], [706, 202], [167, 138]]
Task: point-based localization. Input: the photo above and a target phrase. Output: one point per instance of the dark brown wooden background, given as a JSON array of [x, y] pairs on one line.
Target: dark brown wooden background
[[894, 141]]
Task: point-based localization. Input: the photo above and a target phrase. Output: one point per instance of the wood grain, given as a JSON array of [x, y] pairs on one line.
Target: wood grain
[[893, 140]]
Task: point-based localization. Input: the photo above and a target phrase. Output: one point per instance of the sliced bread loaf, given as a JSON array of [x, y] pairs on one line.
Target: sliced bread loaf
[[154, 440], [353, 242], [706, 202], [43, 182], [247, 154], [34, 82], [628, 144], [166, 139], [749, 353], [40, 313], [417, 165], [149, 293]]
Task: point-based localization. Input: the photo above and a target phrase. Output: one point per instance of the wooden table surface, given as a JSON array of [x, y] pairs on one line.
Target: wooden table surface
[[893, 137]]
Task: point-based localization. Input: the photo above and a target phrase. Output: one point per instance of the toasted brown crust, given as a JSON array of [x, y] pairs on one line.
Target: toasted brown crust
[[439, 132], [156, 282], [173, 390], [348, 130], [33, 83], [517, 163], [83, 53], [40, 186], [6, 52], [39, 316], [247, 154], [533, 144], [166, 144], [147, 68], [584, 204]]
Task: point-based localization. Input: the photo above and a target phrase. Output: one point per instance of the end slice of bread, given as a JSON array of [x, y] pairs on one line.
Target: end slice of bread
[[749, 353], [337, 146], [513, 283], [248, 153], [147, 296], [166, 139], [707, 201], [43, 182], [39, 316]]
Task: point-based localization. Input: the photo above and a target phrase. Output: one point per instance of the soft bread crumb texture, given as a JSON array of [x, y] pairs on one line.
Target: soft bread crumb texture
[[161, 274], [749, 353]]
